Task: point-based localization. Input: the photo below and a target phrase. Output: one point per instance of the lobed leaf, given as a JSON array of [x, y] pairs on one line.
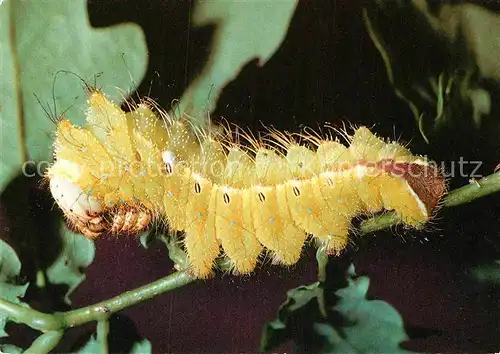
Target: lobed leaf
[[76, 255], [10, 287], [94, 346], [449, 72], [245, 30], [40, 39], [10, 349], [354, 325], [142, 347]]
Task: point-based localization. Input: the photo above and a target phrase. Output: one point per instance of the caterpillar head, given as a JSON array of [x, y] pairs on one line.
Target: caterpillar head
[[92, 176], [83, 211], [89, 216]]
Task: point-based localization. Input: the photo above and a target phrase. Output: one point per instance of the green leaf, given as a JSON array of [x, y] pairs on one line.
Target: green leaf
[[10, 349], [487, 273], [245, 30], [10, 289], [353, 325], [298, 305], [147, 237], [374, 325], [76, 255], [40, 38], [94, 346], [142, 347], [175, 251], [91, 347], [462, 41], [332, 340]]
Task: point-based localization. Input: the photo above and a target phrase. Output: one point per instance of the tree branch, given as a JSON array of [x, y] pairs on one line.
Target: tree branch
[[476, 189], [102, 309], [45, 342], [102, 335], [97, 312]]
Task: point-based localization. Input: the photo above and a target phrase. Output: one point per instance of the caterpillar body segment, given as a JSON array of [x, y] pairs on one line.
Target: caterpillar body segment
[[123, 170], [234, 228], [273, 224], [175, 198], [271, 169], [368, 189], [338, 203], [303, 206], [331, 155], [302, 162], [212, 161], [143, 122], [365, 146], [200, 238], [149, 173]]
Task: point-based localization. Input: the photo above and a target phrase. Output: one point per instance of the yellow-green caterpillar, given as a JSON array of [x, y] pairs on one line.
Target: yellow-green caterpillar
[[123, 170]]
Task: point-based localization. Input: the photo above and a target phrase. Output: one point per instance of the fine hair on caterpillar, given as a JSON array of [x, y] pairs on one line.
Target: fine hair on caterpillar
[[50, 109], [121, 171]]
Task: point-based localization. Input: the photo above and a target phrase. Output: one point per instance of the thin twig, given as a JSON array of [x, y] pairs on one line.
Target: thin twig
[[102, 335], [45, 342], [97, 312]]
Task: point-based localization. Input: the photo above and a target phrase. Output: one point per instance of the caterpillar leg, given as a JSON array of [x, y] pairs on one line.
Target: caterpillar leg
[[129, 219], [91, 229]]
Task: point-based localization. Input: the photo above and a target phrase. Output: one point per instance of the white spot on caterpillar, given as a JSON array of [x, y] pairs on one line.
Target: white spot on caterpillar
[[168, 158], [360, 171]]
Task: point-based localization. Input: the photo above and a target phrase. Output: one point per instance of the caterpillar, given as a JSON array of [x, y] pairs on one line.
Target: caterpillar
[[122, 171]]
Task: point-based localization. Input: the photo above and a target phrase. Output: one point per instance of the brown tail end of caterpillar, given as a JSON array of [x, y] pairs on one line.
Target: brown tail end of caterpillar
[[238, 200]]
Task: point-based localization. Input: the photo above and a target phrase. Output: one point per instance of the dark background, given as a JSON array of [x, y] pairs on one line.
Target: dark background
[[327, 70]]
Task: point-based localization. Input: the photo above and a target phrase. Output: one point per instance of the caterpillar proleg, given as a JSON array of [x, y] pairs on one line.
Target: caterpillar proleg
[[121, 171]]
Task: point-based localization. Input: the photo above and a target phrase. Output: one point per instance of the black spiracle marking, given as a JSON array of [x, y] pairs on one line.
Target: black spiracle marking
[[169, 168]]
